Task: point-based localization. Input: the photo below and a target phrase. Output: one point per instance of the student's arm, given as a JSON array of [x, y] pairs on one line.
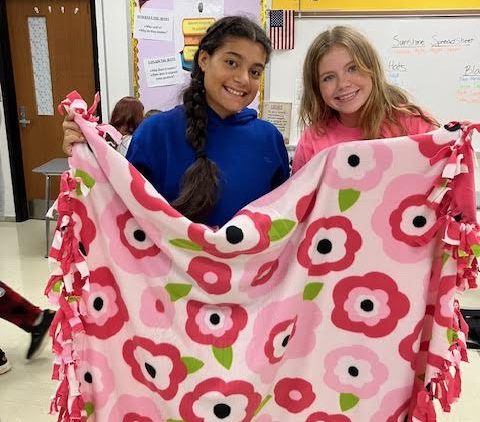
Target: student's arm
[[283, 171], [299, 158]]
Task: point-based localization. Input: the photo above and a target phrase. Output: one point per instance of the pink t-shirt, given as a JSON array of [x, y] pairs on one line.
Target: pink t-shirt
[[311, 142]]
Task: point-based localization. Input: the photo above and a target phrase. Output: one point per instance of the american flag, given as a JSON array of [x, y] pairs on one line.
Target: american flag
[[282, 29]]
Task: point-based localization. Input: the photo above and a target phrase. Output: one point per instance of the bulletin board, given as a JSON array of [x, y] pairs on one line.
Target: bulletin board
[[165, 35], [374, 5]]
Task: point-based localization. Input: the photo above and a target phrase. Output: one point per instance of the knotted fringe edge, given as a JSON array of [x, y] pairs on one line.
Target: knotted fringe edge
[[461, 241]]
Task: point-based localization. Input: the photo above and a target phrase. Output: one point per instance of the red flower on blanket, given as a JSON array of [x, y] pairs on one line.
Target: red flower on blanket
[[294, 394], [213, 277], [134, 238], [354, 370], [369, 304], [400, 212], [106, 310], [135, 409], [429, 144], [305, 206], [84, 227], [157, 366], [216, 325], [409, 346], [445, 306], [325, 417], [147, 196], [282, 330], [264, 272], [412, 220], [133, 242], [358, 165], [246, 233], [156, 309], [95, 376], [330, 244], [215, 399]]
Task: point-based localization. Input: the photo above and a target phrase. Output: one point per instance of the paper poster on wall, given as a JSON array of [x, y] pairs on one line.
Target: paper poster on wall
[[368, 5], [162, 71], [192, 19], [279, 114], [286, 4], [153, 24]]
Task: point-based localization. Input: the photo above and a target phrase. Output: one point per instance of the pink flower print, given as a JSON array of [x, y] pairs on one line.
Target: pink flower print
[[156, 311], [358, 165], [135, 409], [429, 144], [95, 376], [444, 309], [369, 304], [324, 417], [134, 238], [246, 233], [330, 244], [213, 277], [411, 220], [84, 226], [147, 196], [282, 330], [264, 272], [214, 400], [354, 370], [394, 406], [133, 242], [294, 394], [106, 310], [216, 325], [157, 366]]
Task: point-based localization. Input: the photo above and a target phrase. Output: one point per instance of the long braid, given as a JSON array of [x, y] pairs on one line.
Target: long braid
[[200, 182]]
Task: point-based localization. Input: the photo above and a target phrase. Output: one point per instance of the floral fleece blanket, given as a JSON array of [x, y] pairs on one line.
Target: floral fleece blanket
[[333, 298]]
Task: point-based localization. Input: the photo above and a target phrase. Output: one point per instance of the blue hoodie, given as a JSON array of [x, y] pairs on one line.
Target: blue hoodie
[[249, 152]]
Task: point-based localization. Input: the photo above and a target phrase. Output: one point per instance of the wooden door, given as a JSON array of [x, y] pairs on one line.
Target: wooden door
[[52, 54]]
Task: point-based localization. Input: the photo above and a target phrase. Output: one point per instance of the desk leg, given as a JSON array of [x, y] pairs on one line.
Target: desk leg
[[47, 220]]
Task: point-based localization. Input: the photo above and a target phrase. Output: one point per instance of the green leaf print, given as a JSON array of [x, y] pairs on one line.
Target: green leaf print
[[89, 408], [186, 244], [224, 356], [452, 336], [192, 364], [445, 257], [177, 291], [87, 180], [312, 290], [262, 404], [57, 287], [348, 401], [347, 198], [280, 228], [476, 250], [175, 420]]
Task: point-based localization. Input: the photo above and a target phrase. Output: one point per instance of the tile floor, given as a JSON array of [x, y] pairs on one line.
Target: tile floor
[[25, 390]]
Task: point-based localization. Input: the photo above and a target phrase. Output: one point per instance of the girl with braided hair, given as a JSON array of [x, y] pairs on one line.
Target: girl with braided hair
[[211, 156]]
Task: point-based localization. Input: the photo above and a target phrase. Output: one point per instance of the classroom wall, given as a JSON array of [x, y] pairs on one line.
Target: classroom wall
[[115, 69]]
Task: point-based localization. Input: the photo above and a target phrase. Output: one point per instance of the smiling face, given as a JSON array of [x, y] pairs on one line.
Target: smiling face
[[343, 86], [232, 74]]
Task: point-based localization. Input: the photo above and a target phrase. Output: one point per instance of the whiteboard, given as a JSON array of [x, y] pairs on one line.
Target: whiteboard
[[436, 59]]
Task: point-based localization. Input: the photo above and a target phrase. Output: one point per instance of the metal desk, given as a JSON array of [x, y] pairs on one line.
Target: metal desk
[[51, 168]]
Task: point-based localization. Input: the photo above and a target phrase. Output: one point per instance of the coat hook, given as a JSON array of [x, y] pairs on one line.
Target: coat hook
[[62, 9], [76, 10], [49, 9], [36, 9]]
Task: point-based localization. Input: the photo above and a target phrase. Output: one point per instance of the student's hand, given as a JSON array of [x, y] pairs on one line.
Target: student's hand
[[71, 134]]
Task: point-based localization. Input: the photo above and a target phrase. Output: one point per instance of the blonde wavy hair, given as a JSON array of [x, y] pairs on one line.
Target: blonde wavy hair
[[385, 103]]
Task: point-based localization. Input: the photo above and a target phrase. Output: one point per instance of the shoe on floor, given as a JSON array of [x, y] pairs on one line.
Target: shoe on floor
[[39, 334], [4, 363]]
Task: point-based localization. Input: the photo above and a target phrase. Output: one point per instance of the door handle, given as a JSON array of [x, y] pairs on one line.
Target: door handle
[[23, 117]]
